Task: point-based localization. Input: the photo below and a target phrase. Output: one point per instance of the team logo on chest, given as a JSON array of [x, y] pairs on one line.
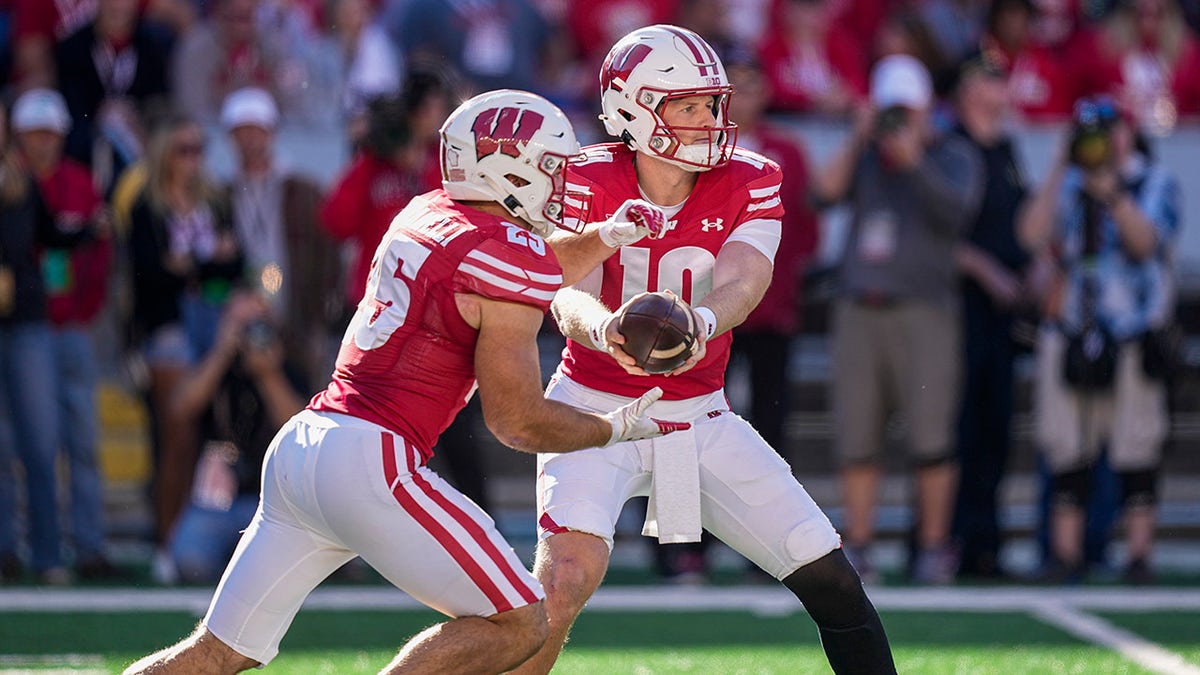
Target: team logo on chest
[[714, 224]]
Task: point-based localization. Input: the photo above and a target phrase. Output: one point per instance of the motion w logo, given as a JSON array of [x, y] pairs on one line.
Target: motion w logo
[[502, 129]]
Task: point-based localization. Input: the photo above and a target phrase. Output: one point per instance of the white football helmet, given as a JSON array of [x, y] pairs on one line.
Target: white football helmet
[[511, 147], [655, 64]]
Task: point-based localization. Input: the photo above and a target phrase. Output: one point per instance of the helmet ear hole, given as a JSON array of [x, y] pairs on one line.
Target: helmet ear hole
[[626, 114], [516, 180]]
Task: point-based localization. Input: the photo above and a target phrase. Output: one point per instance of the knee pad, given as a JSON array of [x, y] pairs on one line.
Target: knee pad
[[1139, 488], [1071, 488]]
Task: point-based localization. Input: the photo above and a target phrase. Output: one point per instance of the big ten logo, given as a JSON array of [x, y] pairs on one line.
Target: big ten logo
[[501, 129]]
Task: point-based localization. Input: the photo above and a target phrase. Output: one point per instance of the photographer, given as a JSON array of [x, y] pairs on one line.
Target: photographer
[[1110, 215], [896, 324], [239, 395]]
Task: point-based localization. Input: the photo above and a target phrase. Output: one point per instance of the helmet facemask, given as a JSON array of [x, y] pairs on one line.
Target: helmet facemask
[[665, 142]]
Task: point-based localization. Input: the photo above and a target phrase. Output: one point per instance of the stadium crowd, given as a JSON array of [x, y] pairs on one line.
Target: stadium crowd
[[232, 296]]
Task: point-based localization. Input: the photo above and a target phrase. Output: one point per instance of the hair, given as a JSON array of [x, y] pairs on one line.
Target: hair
[[158, 158], [387, 126], [14, 185]]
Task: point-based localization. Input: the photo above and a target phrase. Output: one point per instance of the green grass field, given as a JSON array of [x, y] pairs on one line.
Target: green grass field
[[633, 642]]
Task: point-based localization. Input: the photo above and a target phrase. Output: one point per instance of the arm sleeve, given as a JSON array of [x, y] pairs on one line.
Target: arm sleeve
[[511, 272], [759, 224]]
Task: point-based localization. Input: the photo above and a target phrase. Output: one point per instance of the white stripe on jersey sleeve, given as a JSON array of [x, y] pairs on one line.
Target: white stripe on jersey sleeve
[[763, 205], [762, 233], [762, 193], [519, 272], [507, 284]]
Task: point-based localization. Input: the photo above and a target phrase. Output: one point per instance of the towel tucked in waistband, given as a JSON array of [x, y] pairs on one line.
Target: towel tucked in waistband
[[673, 513]]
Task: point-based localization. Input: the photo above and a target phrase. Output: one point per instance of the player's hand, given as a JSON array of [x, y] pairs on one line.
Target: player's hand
[[607, 338], [629, 422], [635, 219], [699, 349]]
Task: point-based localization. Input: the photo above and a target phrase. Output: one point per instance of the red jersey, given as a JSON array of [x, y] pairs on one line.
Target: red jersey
[[361, 207], [407, 361], [76, 280], [736, 202]]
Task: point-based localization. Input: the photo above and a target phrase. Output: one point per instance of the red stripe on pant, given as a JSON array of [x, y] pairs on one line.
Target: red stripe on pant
[[440, 533]]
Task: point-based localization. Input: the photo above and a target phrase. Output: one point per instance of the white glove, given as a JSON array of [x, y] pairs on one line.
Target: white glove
[[630, 424], [635, 219]]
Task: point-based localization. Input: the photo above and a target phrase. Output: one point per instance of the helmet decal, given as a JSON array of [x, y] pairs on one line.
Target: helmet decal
[[620, 64], [706, 60], [499, 129]]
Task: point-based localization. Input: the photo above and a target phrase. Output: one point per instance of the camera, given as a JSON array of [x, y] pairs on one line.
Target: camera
[[1091, 142], [259, 335], [891, 119]]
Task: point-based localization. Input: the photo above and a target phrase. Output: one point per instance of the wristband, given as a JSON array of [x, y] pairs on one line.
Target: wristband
[[710, 320], [597, 332]]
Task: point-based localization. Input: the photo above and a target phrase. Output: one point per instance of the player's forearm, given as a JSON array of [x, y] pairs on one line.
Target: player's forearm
[[549, 426], [740, 279], [576, 313], [579, 254]]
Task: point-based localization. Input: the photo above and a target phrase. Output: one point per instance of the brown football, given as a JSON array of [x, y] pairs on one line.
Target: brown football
[[659, 331]]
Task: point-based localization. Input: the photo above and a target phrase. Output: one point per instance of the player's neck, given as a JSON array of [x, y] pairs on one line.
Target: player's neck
[[662, 182], [494, 209]]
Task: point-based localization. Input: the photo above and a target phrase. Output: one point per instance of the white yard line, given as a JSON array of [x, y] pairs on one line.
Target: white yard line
[[1060, 607], [36, 664], [1130, 645]]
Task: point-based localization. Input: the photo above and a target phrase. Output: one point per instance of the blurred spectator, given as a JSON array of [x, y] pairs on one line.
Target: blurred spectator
[[185, 258], [26, 359], [39, 24], [765, 337], [709, 19], [1037, 87], [895, 331], [1111, 215], [1143, 55], [288, 256], [76, 283], [353, 58], [383, 177], [596, 26], [811, 65], [903, 32], [956, 26], [238, 395], [109, 71], [226, 52], [495, 44], [992, 265]]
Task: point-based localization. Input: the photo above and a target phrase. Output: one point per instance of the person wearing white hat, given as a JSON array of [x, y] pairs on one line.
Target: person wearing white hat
[[76, 280], [895, 335], [274, 213]]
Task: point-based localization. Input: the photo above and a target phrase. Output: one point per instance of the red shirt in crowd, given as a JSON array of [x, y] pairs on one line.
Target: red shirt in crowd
[[361, 207], [76, 280], [1037, 83], [799, 78], [1133, 78]]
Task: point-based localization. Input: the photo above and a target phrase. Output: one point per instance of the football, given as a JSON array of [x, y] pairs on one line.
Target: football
[[659, 331]]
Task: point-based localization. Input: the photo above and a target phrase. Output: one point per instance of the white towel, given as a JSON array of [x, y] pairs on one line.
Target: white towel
[[673, 513]]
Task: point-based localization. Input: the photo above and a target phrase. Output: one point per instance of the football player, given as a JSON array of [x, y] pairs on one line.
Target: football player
[[665, 96], [454, 300]]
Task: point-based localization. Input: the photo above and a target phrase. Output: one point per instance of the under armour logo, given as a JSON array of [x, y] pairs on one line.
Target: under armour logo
[[712, 224]]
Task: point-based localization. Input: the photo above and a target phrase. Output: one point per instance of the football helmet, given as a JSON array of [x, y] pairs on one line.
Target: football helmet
[[511, 147], [651, 66]]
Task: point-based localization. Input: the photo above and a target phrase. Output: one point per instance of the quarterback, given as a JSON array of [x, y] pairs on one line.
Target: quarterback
[[454, 300], [665, 96]]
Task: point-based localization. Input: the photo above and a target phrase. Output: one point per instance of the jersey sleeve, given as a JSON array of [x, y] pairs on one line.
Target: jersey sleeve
[[759, 223], [513, 266]]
